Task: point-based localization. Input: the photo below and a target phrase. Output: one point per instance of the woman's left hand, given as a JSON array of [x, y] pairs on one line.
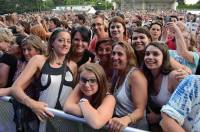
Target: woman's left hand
[[118, 124]]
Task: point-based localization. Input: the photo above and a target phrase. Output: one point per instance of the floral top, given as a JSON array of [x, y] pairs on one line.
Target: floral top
[[184, 104]]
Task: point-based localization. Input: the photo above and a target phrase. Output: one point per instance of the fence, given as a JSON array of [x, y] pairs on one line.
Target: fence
[[61, 114]]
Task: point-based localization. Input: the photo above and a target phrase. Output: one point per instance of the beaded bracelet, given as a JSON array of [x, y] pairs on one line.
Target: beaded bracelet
[[133, 120]]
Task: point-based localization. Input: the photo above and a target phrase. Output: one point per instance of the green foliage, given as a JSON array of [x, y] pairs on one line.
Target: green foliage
[[20, 6], [184, 6]]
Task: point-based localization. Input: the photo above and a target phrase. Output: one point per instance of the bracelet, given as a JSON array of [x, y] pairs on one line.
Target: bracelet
[[83, 100], [132, 118]]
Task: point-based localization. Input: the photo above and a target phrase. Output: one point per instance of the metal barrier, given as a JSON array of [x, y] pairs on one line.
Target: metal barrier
[[64, 115]]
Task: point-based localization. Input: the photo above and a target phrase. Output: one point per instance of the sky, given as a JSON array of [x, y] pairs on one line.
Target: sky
[[191, 1]]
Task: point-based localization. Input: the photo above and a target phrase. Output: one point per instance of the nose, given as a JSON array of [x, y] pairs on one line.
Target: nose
[[25, 52], [104, 52], [115, 57]]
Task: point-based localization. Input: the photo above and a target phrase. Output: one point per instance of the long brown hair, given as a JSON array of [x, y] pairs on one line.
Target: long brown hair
[[103, 87], [54, 35]]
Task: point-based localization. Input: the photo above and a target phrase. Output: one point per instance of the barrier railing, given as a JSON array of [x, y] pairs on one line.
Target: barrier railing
[[64, 115]]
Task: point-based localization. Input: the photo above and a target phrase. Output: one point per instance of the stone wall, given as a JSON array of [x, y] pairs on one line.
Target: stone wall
[[147, 4]]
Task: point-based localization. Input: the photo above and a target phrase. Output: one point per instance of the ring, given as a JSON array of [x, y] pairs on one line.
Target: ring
[[44, 114]]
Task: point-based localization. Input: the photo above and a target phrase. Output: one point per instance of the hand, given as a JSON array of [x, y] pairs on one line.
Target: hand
[[181, 74], [118, 124], [153, 118], [40, 109], [173, 27]]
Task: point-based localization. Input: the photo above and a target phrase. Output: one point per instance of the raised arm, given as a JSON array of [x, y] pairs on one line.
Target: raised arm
[[181, 46]]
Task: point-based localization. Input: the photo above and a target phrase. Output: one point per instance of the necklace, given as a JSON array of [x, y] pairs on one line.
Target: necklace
[[59, 63]]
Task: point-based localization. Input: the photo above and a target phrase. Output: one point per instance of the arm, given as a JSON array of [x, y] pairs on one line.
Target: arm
[[5, 91], [97, 118], [170, 125], [21, 84], [72, 103], [181, 46], [4, 72], [139, 94], [73, 67], [138, 85], [177, 65]]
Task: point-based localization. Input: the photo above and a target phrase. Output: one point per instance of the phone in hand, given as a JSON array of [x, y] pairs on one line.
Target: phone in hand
[[167, 19]]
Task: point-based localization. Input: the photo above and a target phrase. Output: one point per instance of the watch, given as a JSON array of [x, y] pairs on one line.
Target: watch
[[83, 100]]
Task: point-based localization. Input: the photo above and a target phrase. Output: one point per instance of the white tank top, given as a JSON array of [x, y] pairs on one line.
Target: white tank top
[[164, 95]]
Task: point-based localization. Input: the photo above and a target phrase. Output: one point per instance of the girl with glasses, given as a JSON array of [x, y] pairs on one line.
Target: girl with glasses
[[91, 98]]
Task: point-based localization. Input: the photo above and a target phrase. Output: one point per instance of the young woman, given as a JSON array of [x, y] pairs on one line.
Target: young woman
[[156, 31], [54, 74], [161, 81], [103, 53], [91, 98], [117, 29], [80, 37], [129, 87]]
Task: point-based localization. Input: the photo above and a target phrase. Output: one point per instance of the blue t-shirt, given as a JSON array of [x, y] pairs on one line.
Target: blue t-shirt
[[183, 61], [184, 104]]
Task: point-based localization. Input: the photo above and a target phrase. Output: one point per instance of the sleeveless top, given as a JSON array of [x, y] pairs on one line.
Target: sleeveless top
[[164, 95], [54, 86], [124, 103], [54, 81]]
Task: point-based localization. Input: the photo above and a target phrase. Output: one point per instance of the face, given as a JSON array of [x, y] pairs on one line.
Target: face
[[181, 18], [119, 58], [29, 51], [51, 25], [173, 19], [14, 49], [104, 52], [155, 31], [98, 25], [62, 44], [79, 43], [4, 46], [117, 30], [153, 58], [88, 82], [139, 41]]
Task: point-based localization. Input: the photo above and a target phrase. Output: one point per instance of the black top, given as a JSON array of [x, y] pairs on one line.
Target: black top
[[11, 61], [86, 55]]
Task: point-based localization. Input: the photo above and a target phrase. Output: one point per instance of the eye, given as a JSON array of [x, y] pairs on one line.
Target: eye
[[147, 53], [92, 80], [156, 54]]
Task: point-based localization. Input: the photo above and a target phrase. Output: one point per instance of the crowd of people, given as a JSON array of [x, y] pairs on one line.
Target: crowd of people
[[133, 68]]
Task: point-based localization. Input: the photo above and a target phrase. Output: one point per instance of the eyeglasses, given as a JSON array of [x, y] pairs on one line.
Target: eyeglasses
[[91, 81]]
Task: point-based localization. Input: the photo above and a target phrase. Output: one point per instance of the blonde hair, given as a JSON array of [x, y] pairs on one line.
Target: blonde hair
[[6, 35], [36, 43]]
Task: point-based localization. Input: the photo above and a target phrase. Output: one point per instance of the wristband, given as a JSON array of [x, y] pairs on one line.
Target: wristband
[[83, 100]]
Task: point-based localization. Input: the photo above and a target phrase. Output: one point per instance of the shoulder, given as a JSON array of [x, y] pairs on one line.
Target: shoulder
[[109, 97], [136, 73], [37, 60], [72, 66]]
